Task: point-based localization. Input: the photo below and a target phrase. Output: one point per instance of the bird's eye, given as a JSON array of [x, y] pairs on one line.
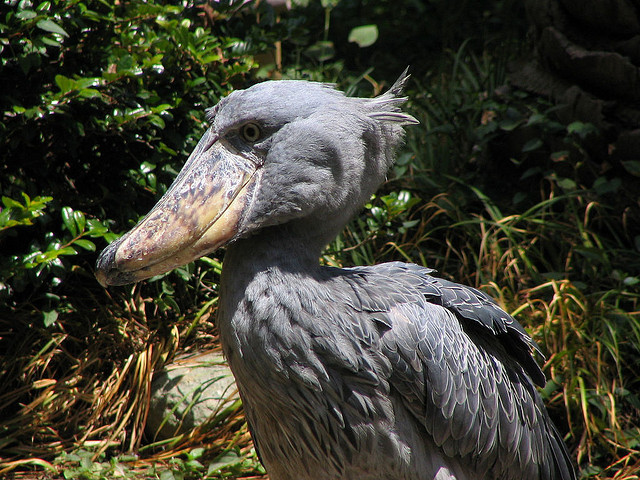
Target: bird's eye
[[250, 132]]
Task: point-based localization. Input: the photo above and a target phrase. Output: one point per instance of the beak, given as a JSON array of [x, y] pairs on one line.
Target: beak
[[200, 212]]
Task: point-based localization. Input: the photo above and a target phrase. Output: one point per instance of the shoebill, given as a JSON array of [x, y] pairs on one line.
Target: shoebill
[[367, 373]]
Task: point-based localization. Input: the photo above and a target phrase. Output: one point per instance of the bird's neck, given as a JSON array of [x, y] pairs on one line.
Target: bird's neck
[[280, 248], [260, 275]]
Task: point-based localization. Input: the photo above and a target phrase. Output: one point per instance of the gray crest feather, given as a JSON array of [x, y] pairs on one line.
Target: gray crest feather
[[386, 107]]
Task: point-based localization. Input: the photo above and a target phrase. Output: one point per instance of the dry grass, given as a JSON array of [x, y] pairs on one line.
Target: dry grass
[[90, 389]]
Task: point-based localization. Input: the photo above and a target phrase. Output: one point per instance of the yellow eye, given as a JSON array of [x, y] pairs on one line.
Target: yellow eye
[[250, 132]]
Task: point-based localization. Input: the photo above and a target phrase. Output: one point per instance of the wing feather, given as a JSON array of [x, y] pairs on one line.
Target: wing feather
[[465, 370]]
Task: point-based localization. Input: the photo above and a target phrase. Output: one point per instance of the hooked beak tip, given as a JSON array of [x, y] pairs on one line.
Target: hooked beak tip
[[106, 262]]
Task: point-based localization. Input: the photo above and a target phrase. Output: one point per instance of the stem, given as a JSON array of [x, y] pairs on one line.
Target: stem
[[327, 18]]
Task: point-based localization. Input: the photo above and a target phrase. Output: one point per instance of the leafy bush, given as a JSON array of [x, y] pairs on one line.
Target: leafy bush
[[100, 105]]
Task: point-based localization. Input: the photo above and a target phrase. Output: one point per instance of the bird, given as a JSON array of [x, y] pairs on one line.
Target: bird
[[384, 372]]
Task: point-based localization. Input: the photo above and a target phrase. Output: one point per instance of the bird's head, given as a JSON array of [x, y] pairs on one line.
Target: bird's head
[[281, 152]]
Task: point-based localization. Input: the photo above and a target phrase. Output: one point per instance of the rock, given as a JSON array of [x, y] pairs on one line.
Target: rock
[[187, 393], [604, 72]]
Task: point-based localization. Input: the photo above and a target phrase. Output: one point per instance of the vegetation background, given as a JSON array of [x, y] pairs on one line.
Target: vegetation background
[[101, 103]]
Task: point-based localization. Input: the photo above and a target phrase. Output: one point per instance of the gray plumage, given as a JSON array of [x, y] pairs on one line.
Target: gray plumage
[[368, 373]]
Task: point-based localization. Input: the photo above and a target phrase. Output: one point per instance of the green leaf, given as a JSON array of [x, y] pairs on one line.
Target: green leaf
[[87, 82], [51, 26], [63, 251], [86, 244], [80, 221], [631, 281], [566, 184], [519, 197], [364, 36], [28, 61], [196, 453], [604, 186], [196, 81], [225, 460], [632, 166], [580, 128], [50, 42], [560, 155], [11, 203], [95, 228], [44, 6], [146, 167], [536, 118], [69, 222], [509, 124], [49, 318], [65, 84], [26, 14], [167, 475], [157, 121], [161, 108], [79, 127], [125, 63], [531, 145], [90, 93]]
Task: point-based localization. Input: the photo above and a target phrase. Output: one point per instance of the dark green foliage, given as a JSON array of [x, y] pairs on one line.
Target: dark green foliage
[[101, 102], [410, 32]]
